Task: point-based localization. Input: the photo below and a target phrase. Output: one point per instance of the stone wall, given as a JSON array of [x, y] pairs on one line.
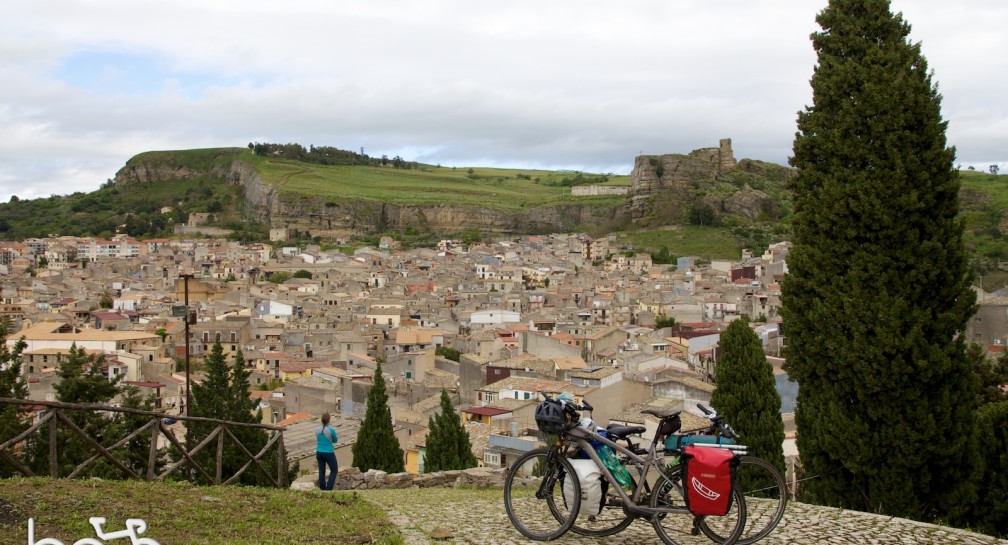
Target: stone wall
[[352, 478], [587, 190]]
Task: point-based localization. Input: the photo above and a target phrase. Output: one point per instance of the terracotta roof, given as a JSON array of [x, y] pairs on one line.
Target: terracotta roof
[[293, 418]]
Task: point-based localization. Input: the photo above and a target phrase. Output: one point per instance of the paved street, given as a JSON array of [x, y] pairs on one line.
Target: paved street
[[477, 517]]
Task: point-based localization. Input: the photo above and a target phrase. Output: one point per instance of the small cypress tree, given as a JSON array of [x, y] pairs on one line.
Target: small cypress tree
[[12, 385], [746, 393], [376, 446], [80, 381], [448, 445], [224, 395]]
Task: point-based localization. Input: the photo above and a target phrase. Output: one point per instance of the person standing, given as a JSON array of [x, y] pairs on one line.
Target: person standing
[[325, 453]]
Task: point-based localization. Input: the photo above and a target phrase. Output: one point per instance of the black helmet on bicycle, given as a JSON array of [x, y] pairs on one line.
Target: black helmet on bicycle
[[551, 417]]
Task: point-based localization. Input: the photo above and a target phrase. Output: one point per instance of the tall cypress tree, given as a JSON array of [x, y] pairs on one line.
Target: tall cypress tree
[[879, 290], [746, 393], [376, 446], [448, 445]]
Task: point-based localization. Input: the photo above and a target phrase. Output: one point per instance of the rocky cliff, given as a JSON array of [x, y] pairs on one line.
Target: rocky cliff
[[675, 177], [266, 205]]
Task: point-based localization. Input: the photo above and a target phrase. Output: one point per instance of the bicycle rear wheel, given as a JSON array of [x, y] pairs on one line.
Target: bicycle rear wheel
[[765, 492], [534, 495], [682, 528]]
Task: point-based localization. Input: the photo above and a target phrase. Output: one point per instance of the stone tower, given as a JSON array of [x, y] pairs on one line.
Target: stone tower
[[727, 158]]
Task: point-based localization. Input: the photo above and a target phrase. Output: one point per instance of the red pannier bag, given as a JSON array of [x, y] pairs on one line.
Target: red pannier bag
[[708, 479]]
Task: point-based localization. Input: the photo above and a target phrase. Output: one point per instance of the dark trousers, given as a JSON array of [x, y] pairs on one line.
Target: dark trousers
[[326, 459]]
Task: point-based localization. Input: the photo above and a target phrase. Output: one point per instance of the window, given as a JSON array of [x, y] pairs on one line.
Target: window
[[516, 395], [528, 395], [409, 362], [491, 459]]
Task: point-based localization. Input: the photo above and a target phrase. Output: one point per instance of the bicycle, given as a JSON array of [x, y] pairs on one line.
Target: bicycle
[[543, 494], [762, 484]]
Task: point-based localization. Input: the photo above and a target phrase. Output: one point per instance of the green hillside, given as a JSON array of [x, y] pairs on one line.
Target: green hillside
[[156, 190]]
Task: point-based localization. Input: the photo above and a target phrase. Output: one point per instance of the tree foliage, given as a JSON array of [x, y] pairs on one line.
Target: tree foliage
[[449, 353], [376, 446], [13, 386], [989, 514], [878, 293], [224, 395], [80, 381], [746, 393], [662, 321], [448, 445]]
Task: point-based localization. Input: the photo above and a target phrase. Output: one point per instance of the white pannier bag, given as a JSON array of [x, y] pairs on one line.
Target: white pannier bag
[[590, 477]]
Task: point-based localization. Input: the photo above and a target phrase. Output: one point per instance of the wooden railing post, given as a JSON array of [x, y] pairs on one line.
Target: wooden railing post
[[53, 460], [152, 456], [220, 456], [282, 463]]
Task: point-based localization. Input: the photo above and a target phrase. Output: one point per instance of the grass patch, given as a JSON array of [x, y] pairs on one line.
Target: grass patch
[[179, 513], [687, 240]]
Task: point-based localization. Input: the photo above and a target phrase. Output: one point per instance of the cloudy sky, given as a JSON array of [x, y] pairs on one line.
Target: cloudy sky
[[573, 84]]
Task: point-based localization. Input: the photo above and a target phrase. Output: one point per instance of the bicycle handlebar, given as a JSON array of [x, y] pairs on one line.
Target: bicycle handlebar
[[715, 419], [583, 406]]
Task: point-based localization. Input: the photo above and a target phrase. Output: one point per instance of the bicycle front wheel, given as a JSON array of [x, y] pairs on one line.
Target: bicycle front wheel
[[608, 519], [680, 527], [766, 494], [542, 494]]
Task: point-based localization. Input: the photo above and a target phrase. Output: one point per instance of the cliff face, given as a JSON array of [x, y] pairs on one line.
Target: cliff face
[[264, 204], [674, 176]]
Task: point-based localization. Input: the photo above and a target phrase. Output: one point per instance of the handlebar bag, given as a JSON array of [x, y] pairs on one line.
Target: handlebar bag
[[708, 476]]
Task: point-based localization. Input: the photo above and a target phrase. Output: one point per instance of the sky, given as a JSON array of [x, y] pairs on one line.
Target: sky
[[557, 84]]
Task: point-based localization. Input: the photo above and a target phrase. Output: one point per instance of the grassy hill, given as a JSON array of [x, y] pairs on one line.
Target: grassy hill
[[156, 190], [180, 514]]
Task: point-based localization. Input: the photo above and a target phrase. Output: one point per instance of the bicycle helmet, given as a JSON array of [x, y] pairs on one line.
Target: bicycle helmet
[[550, 417]]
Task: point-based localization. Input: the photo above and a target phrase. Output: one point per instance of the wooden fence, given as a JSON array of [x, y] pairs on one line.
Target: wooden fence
[[53, 414]]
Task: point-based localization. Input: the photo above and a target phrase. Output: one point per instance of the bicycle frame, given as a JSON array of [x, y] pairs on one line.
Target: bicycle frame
[[631, 503]]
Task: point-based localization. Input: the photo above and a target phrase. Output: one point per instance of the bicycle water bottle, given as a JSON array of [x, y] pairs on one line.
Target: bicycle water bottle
[[605, 452]]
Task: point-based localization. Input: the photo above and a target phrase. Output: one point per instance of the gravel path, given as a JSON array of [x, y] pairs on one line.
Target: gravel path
[[477, 517]]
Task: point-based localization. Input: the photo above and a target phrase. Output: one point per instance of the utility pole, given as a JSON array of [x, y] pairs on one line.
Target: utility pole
[[188, 396]]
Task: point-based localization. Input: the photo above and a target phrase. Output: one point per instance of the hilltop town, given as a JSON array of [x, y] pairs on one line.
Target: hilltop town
[[537, 313]]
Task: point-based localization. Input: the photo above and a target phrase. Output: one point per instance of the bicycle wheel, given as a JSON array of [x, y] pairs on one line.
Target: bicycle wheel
[[534, 495], [683, 528], [765, 493], [609, 520]]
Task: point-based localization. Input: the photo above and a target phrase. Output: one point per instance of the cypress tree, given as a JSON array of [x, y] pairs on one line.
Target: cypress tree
[[746, 393], [376, 446], [989, 514], [224, 395], [878, 293], [448, 445], [80, 381], [13, 386]]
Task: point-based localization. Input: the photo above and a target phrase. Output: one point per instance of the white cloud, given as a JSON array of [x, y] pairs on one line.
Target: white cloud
[[560, 84]]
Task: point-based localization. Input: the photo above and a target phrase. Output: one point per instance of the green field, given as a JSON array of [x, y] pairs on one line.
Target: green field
[[687, 240], [503, 189]]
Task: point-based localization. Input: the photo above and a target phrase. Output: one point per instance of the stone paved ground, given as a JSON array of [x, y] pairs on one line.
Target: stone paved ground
[[477, 517]]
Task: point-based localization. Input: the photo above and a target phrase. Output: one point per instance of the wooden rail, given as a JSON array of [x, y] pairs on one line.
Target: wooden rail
[[54, 414]]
